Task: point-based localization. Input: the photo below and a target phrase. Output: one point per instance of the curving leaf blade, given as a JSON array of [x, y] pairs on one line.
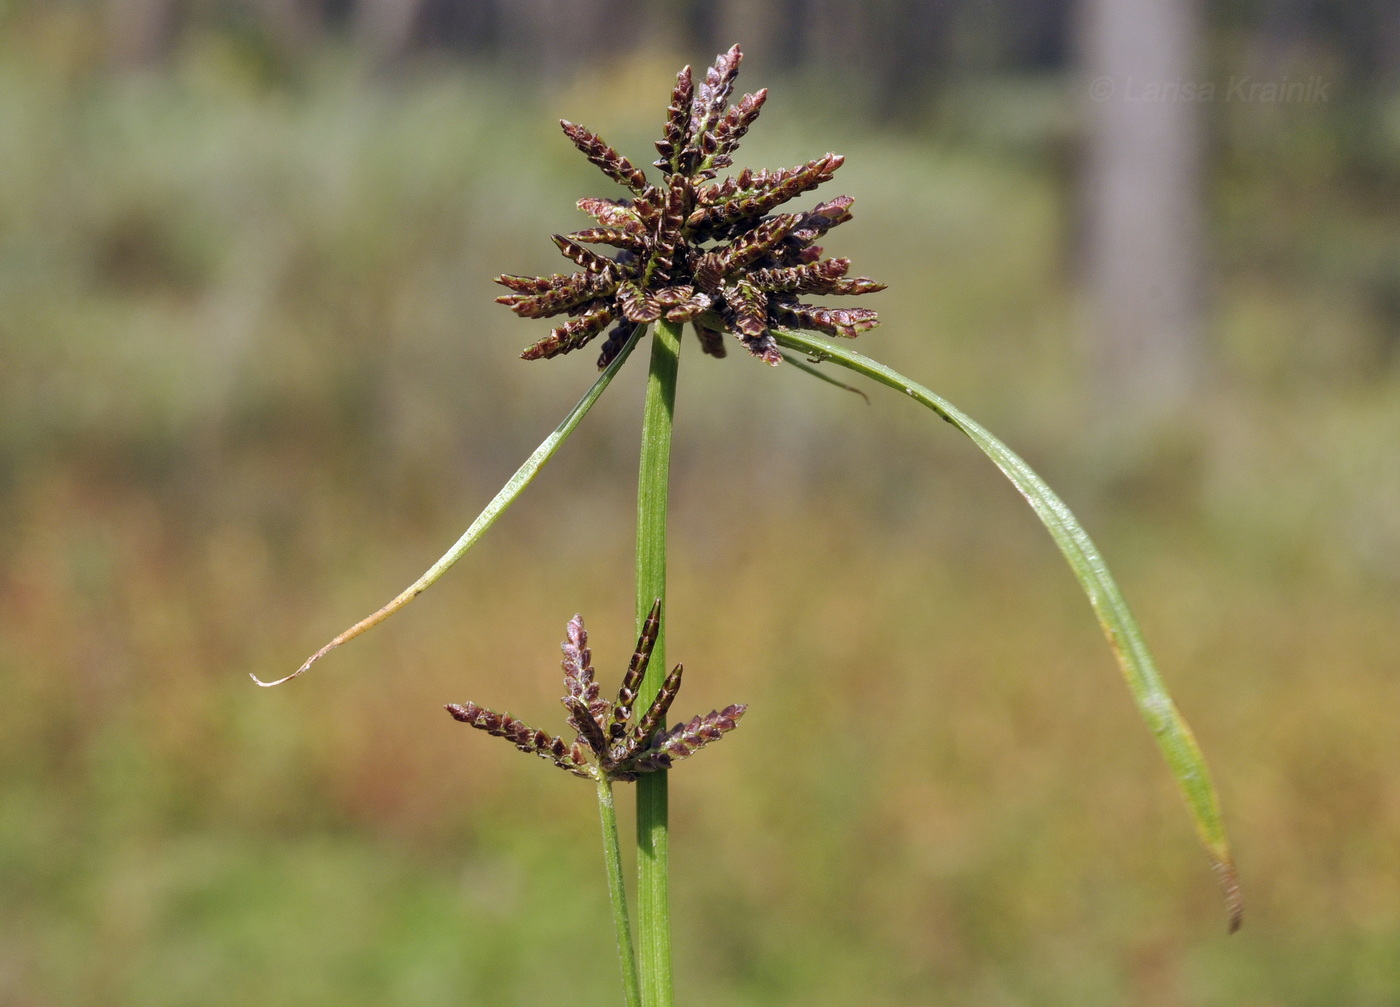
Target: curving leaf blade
[[504, 497], [1168, 727]]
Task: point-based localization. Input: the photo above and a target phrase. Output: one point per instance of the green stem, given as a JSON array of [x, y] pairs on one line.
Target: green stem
[[653, 480], [617, 890]]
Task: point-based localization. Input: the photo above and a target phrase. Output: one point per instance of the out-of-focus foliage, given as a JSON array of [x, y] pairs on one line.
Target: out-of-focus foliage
[[251, 382]]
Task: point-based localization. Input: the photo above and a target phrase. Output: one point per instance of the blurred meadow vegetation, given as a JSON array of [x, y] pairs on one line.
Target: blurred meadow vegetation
[[252, 382]]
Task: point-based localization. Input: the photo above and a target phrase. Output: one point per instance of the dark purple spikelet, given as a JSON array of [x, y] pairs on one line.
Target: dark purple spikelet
[[690, 249], [684, 740], [661, 706], [636, 671], [608, 743], [524, 737]]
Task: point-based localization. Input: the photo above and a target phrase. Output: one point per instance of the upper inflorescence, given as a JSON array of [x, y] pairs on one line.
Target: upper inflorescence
[[692, 249]]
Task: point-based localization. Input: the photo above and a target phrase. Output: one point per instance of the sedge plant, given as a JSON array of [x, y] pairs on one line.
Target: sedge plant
[[720, 254]]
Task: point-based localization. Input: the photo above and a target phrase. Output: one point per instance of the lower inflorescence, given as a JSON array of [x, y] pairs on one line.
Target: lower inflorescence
[[609, 743]]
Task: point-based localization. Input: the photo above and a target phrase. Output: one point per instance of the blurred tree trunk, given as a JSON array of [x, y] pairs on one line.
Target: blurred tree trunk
[[834, 34], [1141, 203], [139, 32], [910, 54], [384, 28], [756, 27], [293, 26], [553, 37]]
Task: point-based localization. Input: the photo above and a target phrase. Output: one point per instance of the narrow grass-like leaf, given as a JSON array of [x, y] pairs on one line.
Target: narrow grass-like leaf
[[1173, 736], [502, 500]]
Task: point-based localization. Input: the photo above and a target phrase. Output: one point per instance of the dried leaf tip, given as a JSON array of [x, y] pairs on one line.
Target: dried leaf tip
[[694, 250], [1234, 897], [609, 742]]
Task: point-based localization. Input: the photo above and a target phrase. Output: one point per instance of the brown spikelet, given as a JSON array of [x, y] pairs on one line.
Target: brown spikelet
[[845, 322], [636, 671], [616, 340], [572, 334], [754, 203], [590, 260], [855, 286], [711, 340], [684, 740], [731, 129], [579, 681], [660, 706], [755, 244], [568, 292], [614, 236], [813, 277], [677, 133], [589, 730], [611, 213], [668, 229], [613, 164], [715, 91], [636, 304], [689, 309], [525, 285]]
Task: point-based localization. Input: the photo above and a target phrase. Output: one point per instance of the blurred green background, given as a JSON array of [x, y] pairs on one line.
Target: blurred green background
[[252, 383]]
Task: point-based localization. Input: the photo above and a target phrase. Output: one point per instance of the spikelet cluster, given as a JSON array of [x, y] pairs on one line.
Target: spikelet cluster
[[693, 249], [609, 742]]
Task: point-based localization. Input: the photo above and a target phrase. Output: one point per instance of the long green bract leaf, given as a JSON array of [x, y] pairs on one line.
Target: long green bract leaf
[[1173, 735], [502, 500]]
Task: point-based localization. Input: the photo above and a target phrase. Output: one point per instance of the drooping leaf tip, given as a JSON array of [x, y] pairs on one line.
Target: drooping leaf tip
[[299, 672], [1234, 898]]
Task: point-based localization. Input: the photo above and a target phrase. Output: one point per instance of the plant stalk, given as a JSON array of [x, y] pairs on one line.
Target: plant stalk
[[617, 891], [653, 482]]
